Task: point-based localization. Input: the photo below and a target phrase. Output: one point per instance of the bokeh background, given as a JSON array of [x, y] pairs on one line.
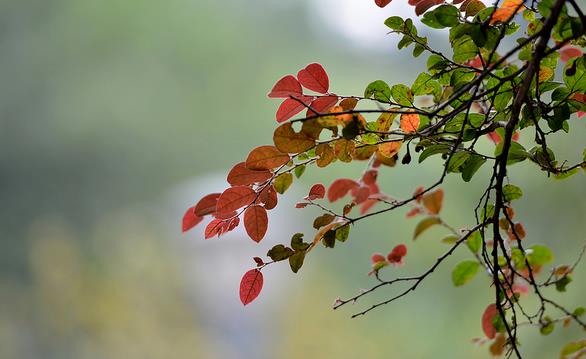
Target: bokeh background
[[115, 116]]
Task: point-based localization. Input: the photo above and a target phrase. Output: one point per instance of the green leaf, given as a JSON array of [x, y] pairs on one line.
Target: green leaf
[[402, 95], [471, 166], [299, 171], [566, 174], [425, 85], [425, 224], [297, 242], [539, 255], [443, 16], [450, 239], [487, 212], [394, 22], [296, 261], [379, 89], [283, 182], [512, 192], [464, 272], [548, 327], [560, 284], [343, 232], [433, 150], [457, 160], [578, 312], [279, 252], [474, 242], [517, 152], [572, 348], [464, 49]]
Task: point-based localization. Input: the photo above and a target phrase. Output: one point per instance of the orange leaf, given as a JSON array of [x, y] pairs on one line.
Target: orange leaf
[[314, 78], [206, 205], [389, 149], [340, 187], [344, 149], [433, 201], [235, 198], [497, 348], [256, 222], [250, 286], [326, 155], [409, 122], [266, 158], [190, 219], [348, 104], [507, 10], [241, 176], [286, 87], [288, 141]]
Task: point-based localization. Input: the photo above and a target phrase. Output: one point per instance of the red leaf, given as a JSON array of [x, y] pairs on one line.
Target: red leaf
[[424, 5], [241, 176], [339, 188], [214, 228], [235, 198], [317, 191], [256, 222], [190, 219], [291, 107], [314, 78], [250, 286], [286, 87], [369, 177], [397, 254], [224, 215], [266, 158], [322, 105], [489, 313], [206, 205], [382, 3], [368, 204], [413, 212], [259, 262], [377, 257], [417, 194], [360, 194], [268, 197]]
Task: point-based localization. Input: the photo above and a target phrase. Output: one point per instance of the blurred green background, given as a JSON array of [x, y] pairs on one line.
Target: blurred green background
[[118, 115]]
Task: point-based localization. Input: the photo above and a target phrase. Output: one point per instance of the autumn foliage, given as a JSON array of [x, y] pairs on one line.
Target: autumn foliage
[[485, 95]]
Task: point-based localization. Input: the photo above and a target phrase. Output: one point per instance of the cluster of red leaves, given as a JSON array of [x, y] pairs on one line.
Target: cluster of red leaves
[[251, 193], [313, 77], [394, 257]]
